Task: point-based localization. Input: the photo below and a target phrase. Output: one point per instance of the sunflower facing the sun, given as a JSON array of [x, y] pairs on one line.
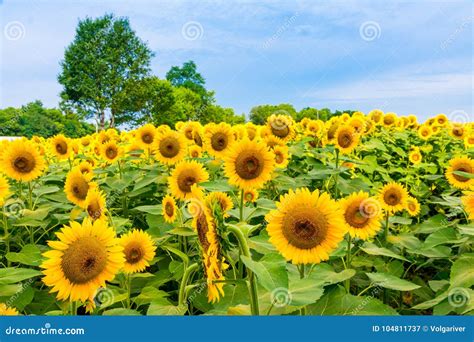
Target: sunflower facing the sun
[[60, 147], [393, 197], [306, 226], [83, 259], [77, 187], [169, 208], [138, 249], [184, 176], [346, 138], [460, 181], [249, 164], [170, 147], [218, 138], [22, 161], [95, 204], [361, 214]]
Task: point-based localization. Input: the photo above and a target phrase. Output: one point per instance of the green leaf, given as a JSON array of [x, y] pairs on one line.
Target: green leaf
[[325, 275], [219, 185], [29, 255], [462, 272], [270, 271], [431, 225], [302, 292], [150, 209], [121, 312], [391, 282], [149, 294], [164, 308], [12, 275], [372, 249], [442, 236]]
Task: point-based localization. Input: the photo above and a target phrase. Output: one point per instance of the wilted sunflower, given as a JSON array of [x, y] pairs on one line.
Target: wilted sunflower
[[306, 226], [250, 195], [346, 139], [170, 147], [22, 161], [413, 207], [184, 176], [95, 204], [425, 132], [415, 156], [7, 311], [218, 138], [77, 187], [281, 126], [83, 260], [281, 156], [169, 208], [111, 152], [468, 203], [138, 249], [145, 136], [361, 214], [60, 146], [393, 197], [4, 189], [222, 199], [249, 164], [213, 262], [460, 164]]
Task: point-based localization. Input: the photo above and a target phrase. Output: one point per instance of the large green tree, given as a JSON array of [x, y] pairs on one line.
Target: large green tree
[[188, 77], [104, 57]]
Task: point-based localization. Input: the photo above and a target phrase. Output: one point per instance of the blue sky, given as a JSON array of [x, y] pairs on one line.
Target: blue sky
[[407, 57]]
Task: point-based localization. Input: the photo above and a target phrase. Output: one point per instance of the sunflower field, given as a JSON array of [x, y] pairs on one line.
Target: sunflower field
[[360, 215]]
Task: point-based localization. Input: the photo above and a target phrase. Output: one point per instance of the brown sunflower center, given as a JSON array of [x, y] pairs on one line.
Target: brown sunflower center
[[111, 152], [25, 163], [186, 181], [94, 210], [147, 138], [188, 133], [248, 166], [458, 131], [392, 197], [305, 232], [279, 158], [463, 168], [356, 215], [280, 129], [197, 139], [344, 139], [169, 209], [84, 260], [411, 206], [202, 229], [80, 188], [169, 147], [61, 147], [133, 253], [219, 141]]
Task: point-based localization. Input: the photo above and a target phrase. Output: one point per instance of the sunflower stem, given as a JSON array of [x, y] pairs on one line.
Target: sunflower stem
[[252, 285], [347, 283], [73, 308], [6, 235], [336, 177], [128, 280], [385, 232], [241, 212], [184, 282], [30, 196]]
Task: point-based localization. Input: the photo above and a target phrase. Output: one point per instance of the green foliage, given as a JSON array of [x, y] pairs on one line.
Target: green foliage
[[188, 77], [259, 114], [105, 55], [34, 119]]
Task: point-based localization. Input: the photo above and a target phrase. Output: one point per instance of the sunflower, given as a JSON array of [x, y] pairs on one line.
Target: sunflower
[[457, 131], [393, 197], [83, 260], [138, 249], [281, 156], [469, 140], [460, 164], [376, 116], [389, 119], [213, 262], [358, 123], [468, 203], [346, 139], [22, 161], [4, 189], [222, 199], [60, 146], [170, 147], [111, 152], [314, 128], [361, 214], [413, 120], [250, 195], [218, 139], [252, 130], [194, 151], [77, 187], [95, 204], [145, 136], [86, 168], [415, 156], [306, 226], [425, 132], [169, 208], [249, 164], [184, 176], [413, 207], [7, 311], [281, 126]]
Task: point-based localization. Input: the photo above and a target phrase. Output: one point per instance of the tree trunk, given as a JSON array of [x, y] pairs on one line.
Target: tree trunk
[[102, 120], [112, 120]]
